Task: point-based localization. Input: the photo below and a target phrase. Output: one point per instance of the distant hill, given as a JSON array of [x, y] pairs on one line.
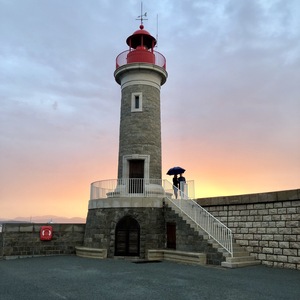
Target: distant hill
[[44, 219]]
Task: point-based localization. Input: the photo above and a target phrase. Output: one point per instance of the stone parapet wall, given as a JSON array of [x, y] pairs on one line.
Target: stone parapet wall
[[1, 244], [267, 224], [23, 239]]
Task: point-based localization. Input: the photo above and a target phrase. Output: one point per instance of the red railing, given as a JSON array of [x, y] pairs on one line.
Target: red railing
[[121, 59]]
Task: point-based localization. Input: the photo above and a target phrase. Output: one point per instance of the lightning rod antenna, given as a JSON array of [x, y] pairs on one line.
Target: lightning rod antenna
[[156, 31]]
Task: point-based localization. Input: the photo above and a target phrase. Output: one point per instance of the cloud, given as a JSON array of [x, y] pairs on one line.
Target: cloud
[[231, 101]]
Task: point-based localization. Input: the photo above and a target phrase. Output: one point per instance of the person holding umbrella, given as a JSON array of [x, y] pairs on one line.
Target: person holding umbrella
[[181, 183], [175, 185]]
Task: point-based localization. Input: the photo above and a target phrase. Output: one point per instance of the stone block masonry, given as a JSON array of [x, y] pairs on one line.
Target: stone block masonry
[[101, 229], [188, 240], [23, 239], [267, 224], [140, 132], [101, 225]]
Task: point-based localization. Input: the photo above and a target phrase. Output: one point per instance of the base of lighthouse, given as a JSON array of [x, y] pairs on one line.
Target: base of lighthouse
[[126, 226], [141, 228]]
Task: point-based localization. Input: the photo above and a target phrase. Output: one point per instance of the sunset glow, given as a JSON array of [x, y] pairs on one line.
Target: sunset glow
[[230, 106]]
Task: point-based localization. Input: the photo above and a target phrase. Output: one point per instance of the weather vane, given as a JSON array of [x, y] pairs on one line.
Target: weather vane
[[142, 16]]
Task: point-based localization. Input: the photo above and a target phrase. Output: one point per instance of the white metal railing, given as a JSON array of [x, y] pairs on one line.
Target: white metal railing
[[137, 187], [126, 187], [121, 59], [204, 220]]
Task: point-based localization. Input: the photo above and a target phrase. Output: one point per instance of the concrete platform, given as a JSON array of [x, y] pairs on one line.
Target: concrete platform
[[73, 277]]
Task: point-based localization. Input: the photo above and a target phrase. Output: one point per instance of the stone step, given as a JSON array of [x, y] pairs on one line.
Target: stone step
[[177, 256], [240, 259], [235, 253], [193, 225], [240, 264], [231, 259], [235, 246], [91, 252]]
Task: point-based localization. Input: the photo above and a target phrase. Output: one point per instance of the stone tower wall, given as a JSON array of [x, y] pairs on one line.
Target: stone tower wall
[[140, 132]]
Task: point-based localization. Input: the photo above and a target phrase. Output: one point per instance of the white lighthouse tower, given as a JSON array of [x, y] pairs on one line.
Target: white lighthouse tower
[[141, 72], [132, 216], [126, 216]]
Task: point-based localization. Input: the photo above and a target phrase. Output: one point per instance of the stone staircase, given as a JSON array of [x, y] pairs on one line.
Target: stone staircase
[[240, 258]]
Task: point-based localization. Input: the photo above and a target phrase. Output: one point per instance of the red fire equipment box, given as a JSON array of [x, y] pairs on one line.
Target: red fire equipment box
[[46, 233]]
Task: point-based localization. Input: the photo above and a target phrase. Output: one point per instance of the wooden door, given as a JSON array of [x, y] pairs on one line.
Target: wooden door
[[136, 175], [127, 237], [171, 235]]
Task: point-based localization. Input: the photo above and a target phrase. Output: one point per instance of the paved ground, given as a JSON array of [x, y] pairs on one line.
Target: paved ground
[[71, 277]]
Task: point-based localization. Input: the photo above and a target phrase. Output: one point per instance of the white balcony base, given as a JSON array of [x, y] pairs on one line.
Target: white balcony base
[[116, 202]]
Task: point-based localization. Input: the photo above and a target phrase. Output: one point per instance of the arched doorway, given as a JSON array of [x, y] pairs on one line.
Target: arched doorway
[[127, 242]]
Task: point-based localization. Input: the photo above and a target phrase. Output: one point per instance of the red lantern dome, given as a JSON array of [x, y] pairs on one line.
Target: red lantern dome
[[141, 50], [141, 45], [141, 38]]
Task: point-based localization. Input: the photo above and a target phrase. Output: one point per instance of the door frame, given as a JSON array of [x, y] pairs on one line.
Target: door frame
[[136, 176], [127, 158]]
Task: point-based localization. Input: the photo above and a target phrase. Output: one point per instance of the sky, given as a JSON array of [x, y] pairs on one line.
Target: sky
[[230, 107]]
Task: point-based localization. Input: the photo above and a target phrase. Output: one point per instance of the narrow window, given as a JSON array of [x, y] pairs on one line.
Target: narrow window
[[136, 102]]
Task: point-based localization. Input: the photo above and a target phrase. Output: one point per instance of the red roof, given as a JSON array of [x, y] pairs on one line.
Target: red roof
[[140, 37]]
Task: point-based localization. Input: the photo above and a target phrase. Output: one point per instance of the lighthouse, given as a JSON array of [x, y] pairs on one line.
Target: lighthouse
[[126, 216], [135, 215], [140, 71]]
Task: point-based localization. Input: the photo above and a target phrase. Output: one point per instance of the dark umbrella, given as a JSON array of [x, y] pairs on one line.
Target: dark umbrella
[[175, 171]]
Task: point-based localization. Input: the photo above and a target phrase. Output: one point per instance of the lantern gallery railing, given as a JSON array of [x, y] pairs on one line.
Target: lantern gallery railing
[[122, 59], [138, 187]]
